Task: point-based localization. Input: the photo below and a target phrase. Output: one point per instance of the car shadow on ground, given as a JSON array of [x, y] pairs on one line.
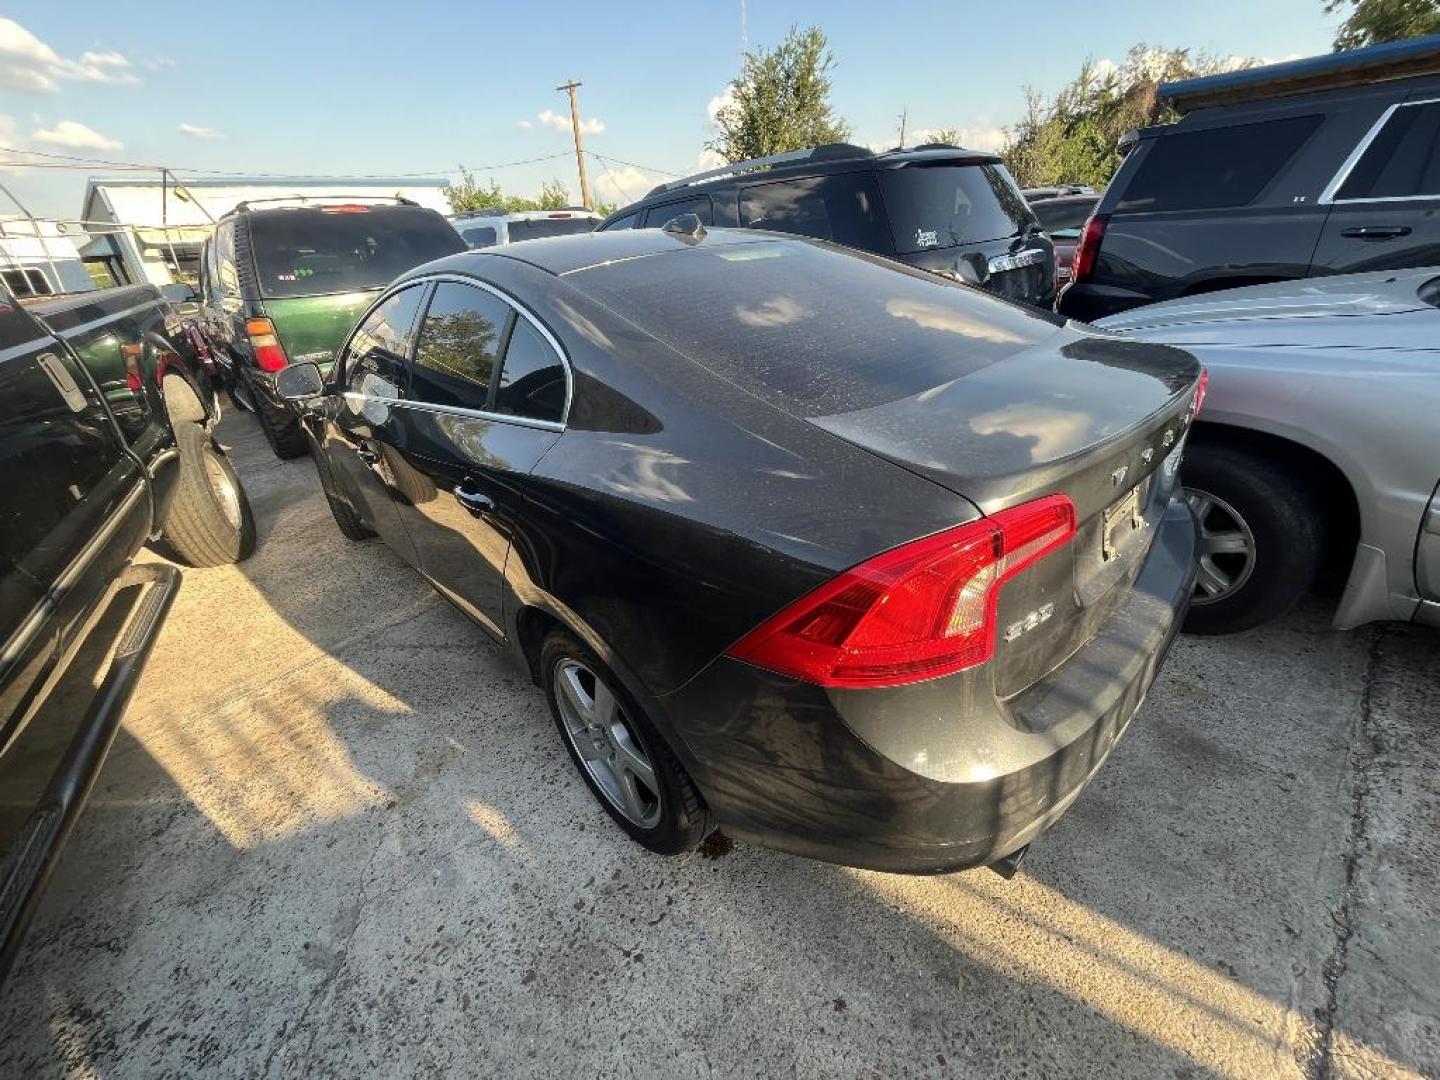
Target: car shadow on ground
[[341, 836]]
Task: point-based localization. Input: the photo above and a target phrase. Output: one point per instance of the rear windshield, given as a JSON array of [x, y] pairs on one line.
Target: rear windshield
[[940, 206], [1063, 218], [534, 228], [311, 252], [815, 330]]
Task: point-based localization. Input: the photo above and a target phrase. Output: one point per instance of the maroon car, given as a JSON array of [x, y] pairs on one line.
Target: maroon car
[[1063, 218]]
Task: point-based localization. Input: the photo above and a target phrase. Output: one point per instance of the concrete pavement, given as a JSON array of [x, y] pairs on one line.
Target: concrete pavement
[[338, 836]]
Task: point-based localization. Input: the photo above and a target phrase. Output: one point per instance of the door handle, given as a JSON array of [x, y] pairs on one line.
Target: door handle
[[368, 455], [473, 501], [1376, 232]]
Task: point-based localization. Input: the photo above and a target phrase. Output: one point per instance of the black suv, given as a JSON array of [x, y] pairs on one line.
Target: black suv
[[955, 212], [1329, 165]]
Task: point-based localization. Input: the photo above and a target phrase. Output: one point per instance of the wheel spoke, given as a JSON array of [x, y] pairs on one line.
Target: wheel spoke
[[570, 688], [603, 710], [631, 794], [1200, 505], [1225, 543], [1211, 580], [628, 759]]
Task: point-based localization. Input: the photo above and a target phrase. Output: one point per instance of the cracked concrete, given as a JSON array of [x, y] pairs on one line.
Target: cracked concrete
[[339, 837]]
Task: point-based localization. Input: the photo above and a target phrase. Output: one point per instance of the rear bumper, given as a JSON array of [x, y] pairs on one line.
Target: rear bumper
[[958, 779], [141, 599], [1087, 302]]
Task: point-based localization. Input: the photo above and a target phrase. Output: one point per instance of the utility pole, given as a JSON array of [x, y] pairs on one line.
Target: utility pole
[[572, 86], [904, 115]]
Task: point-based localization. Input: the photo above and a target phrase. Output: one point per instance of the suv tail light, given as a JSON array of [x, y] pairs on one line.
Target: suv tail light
[[1088, 249], [924, 609], [1201, 387], [269, 353]]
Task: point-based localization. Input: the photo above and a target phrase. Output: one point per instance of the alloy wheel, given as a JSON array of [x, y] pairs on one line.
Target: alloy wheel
[[605, 742], [1227, 547], [227, 493]]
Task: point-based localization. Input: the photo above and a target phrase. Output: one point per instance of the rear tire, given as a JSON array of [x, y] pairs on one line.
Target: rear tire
[[611, 739], [282, 430], [1245, 499], [351, 525], [210, 523]]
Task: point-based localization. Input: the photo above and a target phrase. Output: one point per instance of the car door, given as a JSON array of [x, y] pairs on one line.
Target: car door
[[1385, 201], [364, 425], [1427, 551], [485, 399]]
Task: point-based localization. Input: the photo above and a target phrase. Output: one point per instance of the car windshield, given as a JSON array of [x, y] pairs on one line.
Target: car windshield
[[534, 228], [939, 206], [313, 251], [1063, 218]]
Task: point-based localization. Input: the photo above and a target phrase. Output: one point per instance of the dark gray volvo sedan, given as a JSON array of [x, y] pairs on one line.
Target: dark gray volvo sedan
[[848, 559]]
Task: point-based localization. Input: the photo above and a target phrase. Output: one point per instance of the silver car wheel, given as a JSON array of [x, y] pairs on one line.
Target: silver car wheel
[[1227, 547], [600, 733], [223, 485]]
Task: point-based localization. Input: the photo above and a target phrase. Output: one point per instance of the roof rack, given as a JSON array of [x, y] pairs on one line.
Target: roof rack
[[826, 152], [1375, 63], [304, 200]]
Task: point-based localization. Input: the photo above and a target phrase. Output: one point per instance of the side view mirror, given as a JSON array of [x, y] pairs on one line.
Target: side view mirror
[[298, 382], [180, 292]]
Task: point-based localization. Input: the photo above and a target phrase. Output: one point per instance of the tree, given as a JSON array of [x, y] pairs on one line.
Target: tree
[[781, 101], [1371, 22], [1074, 137], [469, 194]]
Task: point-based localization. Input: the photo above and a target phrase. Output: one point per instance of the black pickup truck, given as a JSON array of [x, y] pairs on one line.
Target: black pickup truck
[[105, 444]]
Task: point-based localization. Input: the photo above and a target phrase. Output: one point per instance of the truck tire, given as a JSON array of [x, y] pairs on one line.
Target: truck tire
[[282, 431], [1262, 538], [351, 525], [210, 523]]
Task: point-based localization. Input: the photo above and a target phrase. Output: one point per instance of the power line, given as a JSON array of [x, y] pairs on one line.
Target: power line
[[633, 165]]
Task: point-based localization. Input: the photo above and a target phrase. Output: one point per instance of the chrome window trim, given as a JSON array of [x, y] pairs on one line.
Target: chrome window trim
[[1327, 197], [455, 410], [22, 349], [85, 328], [429, 281]]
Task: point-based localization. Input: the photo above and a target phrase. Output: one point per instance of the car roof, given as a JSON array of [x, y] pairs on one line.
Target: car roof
[[560, 213], [567, 254], [813, 161]]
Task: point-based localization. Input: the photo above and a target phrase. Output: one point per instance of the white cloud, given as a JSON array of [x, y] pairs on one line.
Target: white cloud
[[524, 125], [708, 159], [622, 185], [555, 122], [30, 66], [198, 131], [73, 135]]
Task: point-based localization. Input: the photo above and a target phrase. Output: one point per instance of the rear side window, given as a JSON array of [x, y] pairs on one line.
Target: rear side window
[[25, 282], [629, 221], [1221, 167], [532, 380], [844, 208], [314, 252], [459, 340], [535, 228], [375, 355], [1403, 160], [657, 216], [1064, 219], [479, 238], [940, 206]]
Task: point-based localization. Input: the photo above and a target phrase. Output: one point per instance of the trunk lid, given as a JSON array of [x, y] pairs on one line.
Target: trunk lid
[[1099, 419], [311, 328]]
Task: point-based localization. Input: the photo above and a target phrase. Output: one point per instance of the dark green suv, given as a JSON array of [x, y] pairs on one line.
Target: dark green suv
[[284, 284]]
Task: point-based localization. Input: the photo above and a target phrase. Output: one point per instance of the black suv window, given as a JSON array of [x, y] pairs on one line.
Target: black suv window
[[532, 380], [844, 208], [1064, 218], [459, 340], [657, 216], [1402, 160], [313, 251], [1220, 167], [376, 353], [535, 228], [945, 205], [481, 237], [629, 221]]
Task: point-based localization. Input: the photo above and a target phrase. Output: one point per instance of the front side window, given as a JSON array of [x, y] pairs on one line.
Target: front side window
[[657, 216], [844, 208], [459, 340], [532, 379], [375, 356], [1403, 160], [1215, 168], [629, 221], [226, 278]]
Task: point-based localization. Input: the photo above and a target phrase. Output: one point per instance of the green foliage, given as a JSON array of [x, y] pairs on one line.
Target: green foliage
[[945, 135], [1372, 22], [470, 194], [1074, 137], [781, 101]]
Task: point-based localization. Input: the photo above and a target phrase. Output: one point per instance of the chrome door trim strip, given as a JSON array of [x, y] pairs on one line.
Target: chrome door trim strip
[[455, 410]]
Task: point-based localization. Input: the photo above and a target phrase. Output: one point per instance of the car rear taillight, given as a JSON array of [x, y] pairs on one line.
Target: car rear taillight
[[346, 208], [1201, 386], [924, 609], [264, 343], [1088, 249]]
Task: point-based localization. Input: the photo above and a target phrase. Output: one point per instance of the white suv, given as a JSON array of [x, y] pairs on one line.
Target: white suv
[[486, 228]]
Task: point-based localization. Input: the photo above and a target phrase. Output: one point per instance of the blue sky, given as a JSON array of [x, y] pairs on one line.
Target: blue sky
[[417, 87]]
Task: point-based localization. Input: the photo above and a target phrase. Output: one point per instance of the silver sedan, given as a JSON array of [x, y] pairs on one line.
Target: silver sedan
[[1318, 446]]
